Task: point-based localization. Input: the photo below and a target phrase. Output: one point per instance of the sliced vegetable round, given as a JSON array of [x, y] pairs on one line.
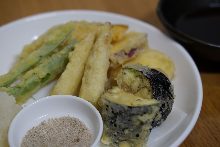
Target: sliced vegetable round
[[149, 84], [127, 118]]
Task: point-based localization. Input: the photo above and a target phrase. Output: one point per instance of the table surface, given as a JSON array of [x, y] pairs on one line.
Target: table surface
[[207, 129]]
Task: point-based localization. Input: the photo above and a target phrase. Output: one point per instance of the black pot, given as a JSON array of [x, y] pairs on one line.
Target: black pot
[[198, 16]]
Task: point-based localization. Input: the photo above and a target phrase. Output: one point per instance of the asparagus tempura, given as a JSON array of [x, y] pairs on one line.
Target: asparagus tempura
[[31, 60], [41, 75], [51, 35]]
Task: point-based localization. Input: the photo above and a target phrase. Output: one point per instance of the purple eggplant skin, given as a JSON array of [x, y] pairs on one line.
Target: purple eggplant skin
[[160, 86]]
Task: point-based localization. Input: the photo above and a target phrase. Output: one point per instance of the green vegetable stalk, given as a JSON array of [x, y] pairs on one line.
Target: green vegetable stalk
[[48, 36], [31, 60], [41, 75]]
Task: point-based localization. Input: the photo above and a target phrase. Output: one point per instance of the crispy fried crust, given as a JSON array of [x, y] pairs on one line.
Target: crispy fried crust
[[95, 75], [69, 81]]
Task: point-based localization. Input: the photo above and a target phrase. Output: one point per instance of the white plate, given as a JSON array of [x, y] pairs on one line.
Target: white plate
[[187, 83]]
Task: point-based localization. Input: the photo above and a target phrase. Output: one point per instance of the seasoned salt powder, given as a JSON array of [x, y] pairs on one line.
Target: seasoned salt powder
[[58, 132]]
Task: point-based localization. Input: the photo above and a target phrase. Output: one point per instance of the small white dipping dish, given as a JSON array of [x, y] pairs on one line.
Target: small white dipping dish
[[54, 107]]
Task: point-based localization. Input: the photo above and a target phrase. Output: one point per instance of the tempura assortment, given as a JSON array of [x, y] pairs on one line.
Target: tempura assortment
[[105, 64]]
